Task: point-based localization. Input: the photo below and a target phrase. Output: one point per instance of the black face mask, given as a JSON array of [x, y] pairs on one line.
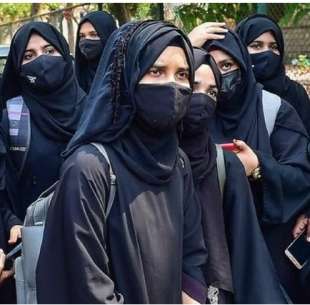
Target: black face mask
[[231, 83], [91, 48], [161, 107], [266, 64], [201, 109], [45, 72]]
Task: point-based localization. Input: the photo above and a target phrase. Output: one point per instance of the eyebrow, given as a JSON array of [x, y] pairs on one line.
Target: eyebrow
[[47, 45], [213, 87], [225, 60], [160, 66]]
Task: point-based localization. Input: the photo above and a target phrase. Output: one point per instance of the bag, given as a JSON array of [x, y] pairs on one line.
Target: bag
[[32, 236], [19, 131], [271, 106]]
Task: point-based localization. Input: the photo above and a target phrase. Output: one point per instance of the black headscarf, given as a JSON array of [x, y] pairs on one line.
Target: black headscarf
[[57, 113], [111, 109], [104, 25], [199, 147], [201, 151], [252, 27], [242, 117]]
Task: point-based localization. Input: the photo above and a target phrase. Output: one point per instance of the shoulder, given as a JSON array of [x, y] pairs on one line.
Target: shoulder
[[86, 161]]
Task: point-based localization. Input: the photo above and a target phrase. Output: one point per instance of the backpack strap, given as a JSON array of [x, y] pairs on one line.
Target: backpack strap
[[271, 106], [102, 150], [221, 169], [19, 131]]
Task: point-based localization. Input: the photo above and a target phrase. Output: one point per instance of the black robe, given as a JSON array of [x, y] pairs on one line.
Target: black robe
[[85, 70], [151, 247], [279, 83], [141, 252], [54, 117], [283, 191]]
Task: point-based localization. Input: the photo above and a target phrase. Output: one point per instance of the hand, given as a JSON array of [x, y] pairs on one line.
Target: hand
[[247, 157], [15, 234], [302, 224], [207, 31], [186, 299], [4, 274]]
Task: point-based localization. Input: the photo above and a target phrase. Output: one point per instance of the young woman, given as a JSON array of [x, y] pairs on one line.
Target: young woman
[[278, 164], [264, 40], [151, 248], [228, 213], [92, 34], [43, 106]]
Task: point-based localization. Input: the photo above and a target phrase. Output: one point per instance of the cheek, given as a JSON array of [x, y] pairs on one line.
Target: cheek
[[253, 51], [276, 52]]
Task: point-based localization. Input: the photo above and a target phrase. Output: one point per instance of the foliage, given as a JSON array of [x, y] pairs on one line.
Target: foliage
[[302, 61], [192, 15]]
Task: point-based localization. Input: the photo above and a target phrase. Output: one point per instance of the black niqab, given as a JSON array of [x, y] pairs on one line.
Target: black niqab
[[199, 147], [55, 113], [104, 25], [111, 107], [252, 27], [242, 117]]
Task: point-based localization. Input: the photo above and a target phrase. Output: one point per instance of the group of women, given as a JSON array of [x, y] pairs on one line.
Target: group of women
[[190, 223]]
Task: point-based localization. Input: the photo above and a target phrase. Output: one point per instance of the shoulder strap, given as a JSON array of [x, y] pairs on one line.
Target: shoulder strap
[[19, 131], [221, 169], [271, 106], [102, 150]]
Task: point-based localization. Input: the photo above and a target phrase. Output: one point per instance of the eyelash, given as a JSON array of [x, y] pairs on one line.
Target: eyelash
[[157, 73], [259, 46], [212, 93], [48, 50]]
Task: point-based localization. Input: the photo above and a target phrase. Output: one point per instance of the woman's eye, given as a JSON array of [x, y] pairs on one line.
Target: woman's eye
[[275, 47], [94, 35], [226, 66], [255, 46], [27, 56], [212, 93], [183, 75], [49, 50], [155, 72]]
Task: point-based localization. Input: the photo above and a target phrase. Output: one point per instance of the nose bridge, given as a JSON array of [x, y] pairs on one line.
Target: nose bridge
[[40, 52]]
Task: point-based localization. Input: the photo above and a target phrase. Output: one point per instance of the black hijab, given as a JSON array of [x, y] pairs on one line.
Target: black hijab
[[199, 146], [201, 151], [55, 113], [104, 25], [111, 110], [242, 117], [252, 27]]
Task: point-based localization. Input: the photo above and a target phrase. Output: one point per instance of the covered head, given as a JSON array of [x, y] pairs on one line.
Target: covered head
[[239, 111], [13, 71], [114, 101], [264, 40], [40, 69], [93, 33], [196, 139]]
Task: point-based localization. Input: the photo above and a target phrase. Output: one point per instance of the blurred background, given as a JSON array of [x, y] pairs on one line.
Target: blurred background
[[294, 18]]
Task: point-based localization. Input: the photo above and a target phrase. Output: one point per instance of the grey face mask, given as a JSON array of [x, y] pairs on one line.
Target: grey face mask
[[231, 81]]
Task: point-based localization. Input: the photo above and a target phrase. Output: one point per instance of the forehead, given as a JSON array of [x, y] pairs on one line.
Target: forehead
[[220, 55], [172, 55], [205, 74], [266, 37], [36, 41], [87, 27]]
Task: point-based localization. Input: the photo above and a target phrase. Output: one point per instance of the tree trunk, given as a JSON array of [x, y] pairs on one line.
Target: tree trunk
[[120, 11], [68, 16]]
